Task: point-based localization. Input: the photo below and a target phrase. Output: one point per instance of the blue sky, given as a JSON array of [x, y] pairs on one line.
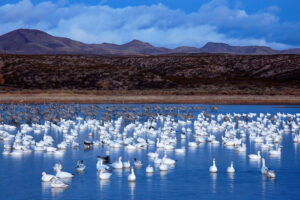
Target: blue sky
[[169, 23]]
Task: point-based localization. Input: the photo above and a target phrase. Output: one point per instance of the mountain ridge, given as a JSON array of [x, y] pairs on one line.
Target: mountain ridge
[[31, 41]]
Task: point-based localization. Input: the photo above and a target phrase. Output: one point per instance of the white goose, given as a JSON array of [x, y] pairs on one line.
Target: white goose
[[255, 156], [276, 152], [118, 164], [104, 175], [263, 169], [101, 166], [230, 169], [213, 168], [131, 176], [61, 174], [137, 163], [47, 177], [56, 183], [153, 155], [126, 164], [163, 167], [57, 167], [149, 169]]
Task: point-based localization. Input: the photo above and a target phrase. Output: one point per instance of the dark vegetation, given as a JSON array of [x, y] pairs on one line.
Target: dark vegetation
[[169, 74]]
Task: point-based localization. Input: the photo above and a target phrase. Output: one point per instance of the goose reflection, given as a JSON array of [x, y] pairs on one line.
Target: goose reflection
[[213, 181], [103, 183], [231, 181], [56, 191], [163, 173], [132, 188], [46, 186], [118, 172]]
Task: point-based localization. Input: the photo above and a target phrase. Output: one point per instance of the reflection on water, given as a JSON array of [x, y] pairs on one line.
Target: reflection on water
[[57, 191], [131, 188], [231, 181], [255, 163], [103, 184], [213, 177], [118, 172], [163, 174], [46, 186]]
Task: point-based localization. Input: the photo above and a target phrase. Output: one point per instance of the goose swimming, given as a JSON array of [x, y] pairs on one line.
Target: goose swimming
[[213, 168], [57, 167], [131, 176], [163, 167], [101, 166], [137, 163], [56, 183], [230, 169], [47, 177], [104, 175], [118, 164], [126, 164], [255, 156], [149, 169], [80, 167], [263, 169], [61, 174]]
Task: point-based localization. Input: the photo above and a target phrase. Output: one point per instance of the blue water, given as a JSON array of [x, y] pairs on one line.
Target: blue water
[[20, 177]]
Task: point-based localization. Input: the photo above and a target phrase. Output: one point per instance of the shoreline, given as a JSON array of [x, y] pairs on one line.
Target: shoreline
[[150, 99]]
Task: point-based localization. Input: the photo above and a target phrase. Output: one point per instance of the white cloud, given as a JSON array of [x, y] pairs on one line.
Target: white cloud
[[156, 24]]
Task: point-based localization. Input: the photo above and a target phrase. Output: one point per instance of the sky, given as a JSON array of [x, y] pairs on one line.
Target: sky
[[168, 23]]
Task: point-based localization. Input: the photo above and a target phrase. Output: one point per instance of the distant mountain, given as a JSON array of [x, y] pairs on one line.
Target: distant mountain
[[225, 48], [28, 41]]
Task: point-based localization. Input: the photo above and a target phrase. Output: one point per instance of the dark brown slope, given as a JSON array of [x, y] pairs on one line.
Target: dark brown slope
[[184, 74], [28, 41]]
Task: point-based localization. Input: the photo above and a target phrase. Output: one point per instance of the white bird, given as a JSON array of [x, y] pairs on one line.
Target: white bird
[[230, 169], [80, 166], [276, 152], [180, 150], [104, 175], [213, 168], [137, 163], [126, 164], [47, 177], [149, 169], [255, 156], [271, 173], [263, 169], [101, 166], [56, 183], [152, 155], [131, 176], [61, 174], [163, 167], [168, 161], [57, 167], [118, 164]]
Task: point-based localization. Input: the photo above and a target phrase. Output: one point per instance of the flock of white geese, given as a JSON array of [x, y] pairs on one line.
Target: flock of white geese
[[162, 132]]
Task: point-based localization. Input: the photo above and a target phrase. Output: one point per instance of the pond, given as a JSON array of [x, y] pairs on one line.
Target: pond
[[138, 125]]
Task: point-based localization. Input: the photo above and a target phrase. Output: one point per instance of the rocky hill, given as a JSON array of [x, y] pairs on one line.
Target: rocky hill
[[172, 74]]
